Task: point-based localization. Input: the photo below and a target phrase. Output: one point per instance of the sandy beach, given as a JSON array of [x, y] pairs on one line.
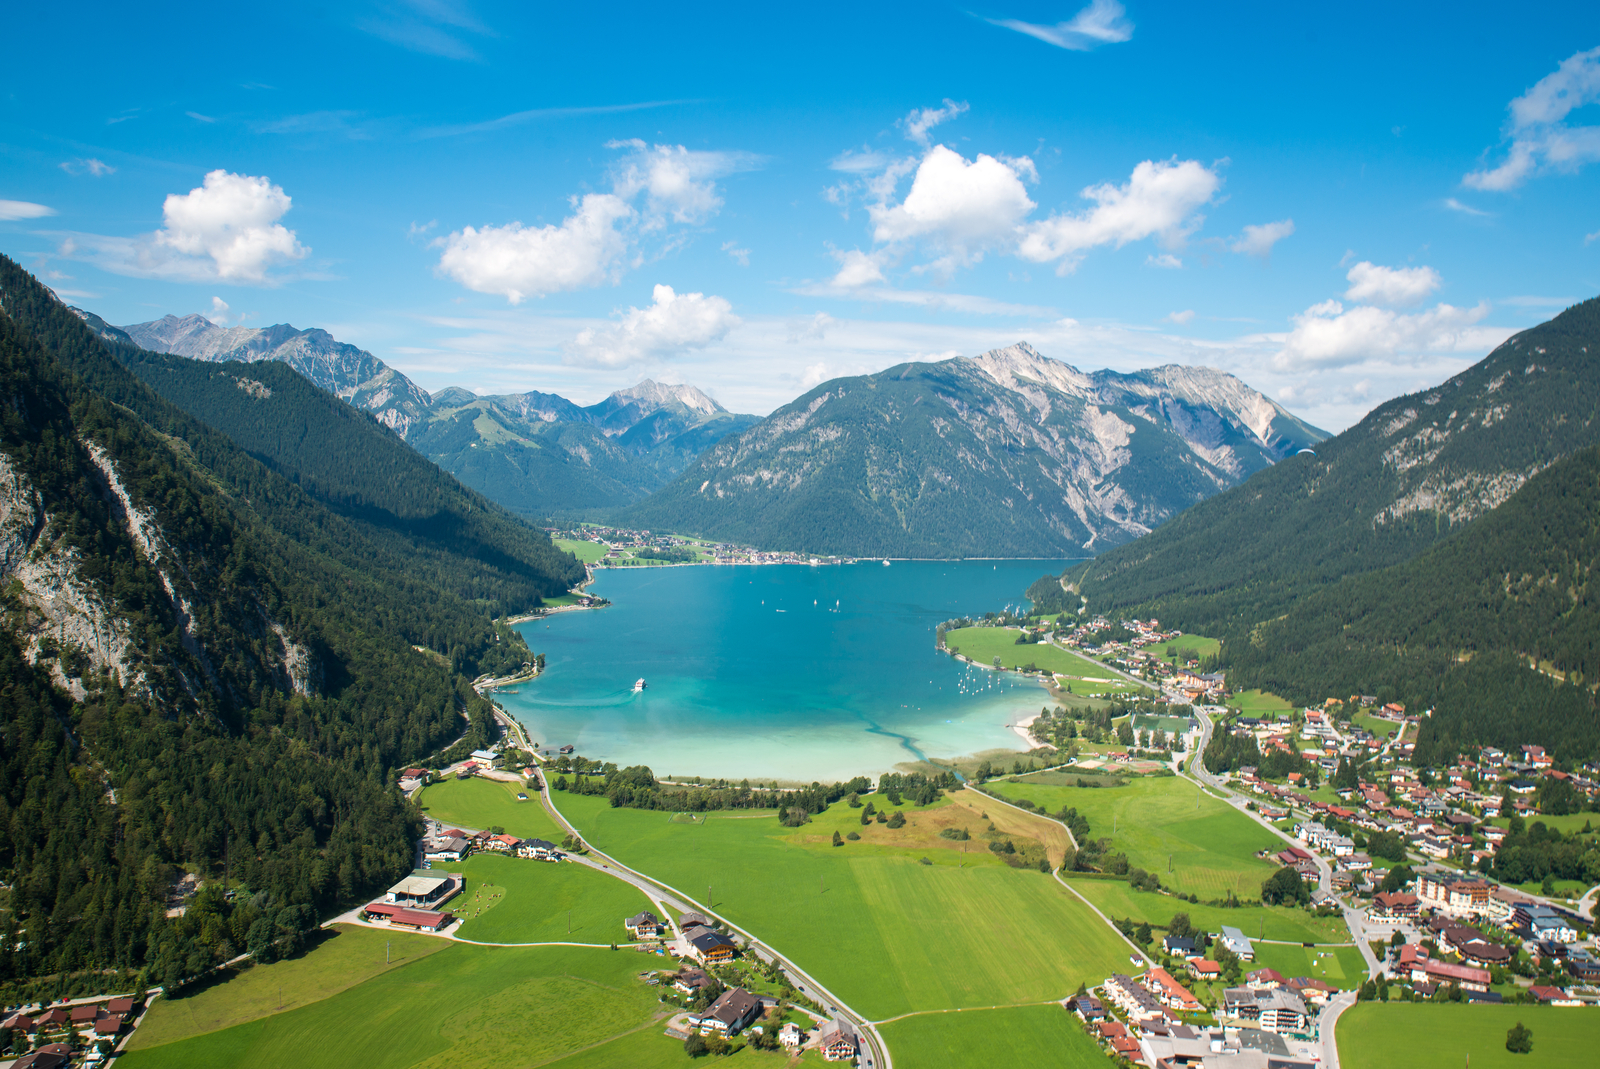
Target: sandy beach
[[1021, 728]]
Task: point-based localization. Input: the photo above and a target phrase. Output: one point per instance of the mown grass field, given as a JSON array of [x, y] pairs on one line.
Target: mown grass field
[[1259, 703], [1381, 728], [1211, 845], [1419, 1035], [586, 551], [1185, 649], [1019, 1035], [885, 932], [464, 1007], [1116, 898], [1342, 967], [483, 803], [649, 1049], [345, 956], [984, 644], [525, 901]]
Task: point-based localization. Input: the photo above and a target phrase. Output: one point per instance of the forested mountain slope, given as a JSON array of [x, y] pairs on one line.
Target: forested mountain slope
[[1413, 471], [1007, 454], [1456, 628], [202, 662]]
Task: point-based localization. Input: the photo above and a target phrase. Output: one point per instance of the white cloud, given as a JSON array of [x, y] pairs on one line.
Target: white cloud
[[1259, 240], [1098, 24], [739, 256], [518, 262], [22, 209], [1182, 318], [1165, 260], [678, 182], [813, 329], [232, 221], [962, 208], [867, 161], [816, 374], [938, 300], [219, 312], [1327, 336], [1465, 209], [921, 120], [1393, 287], [670, 325], [591, 246], [98, 168], [1158, 200], [427, 26], [1539, 133], [1590, 239], [857, 268]]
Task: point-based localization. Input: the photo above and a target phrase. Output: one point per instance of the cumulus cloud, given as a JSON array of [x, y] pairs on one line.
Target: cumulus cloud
[[518, 262], [1165, 260], [1541, 137], [224, 230], [856, 269], [672, 324], [1392, 287], [1159, 200], [1100, 23], [921, 120], [962, 208], [653, 186], [22, 209], [1326, 335], [1259, 240], [679, 183]]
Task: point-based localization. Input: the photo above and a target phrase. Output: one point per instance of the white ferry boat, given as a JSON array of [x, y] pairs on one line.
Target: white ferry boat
[[638, 684]]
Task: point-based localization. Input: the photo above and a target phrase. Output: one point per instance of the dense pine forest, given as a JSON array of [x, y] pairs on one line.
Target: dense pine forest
[[290, 641]]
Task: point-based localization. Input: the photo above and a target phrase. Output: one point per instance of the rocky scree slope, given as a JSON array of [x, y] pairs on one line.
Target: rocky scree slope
[[1006, 454]]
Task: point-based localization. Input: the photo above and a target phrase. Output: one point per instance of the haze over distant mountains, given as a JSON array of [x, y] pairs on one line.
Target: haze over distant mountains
[[535, 453], [1010, 453]]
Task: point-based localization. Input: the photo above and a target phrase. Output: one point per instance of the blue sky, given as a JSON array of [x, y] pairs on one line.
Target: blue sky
[[1335, 207]]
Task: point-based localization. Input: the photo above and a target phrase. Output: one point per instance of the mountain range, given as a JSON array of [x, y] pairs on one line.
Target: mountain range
[[1005, 454], [537, 454]]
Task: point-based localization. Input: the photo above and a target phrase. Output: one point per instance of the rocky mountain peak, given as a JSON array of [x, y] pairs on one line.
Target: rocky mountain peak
[[1022, 361], [651, 395]]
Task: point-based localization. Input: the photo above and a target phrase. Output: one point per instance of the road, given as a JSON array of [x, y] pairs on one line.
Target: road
[[877, 1052], [1355, 920]]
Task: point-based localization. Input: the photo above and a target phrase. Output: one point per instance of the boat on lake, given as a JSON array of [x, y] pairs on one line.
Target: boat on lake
[[638, 684]]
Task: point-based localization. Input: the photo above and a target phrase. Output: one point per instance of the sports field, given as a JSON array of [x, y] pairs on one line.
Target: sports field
[[463, 1007], [1116, 898], [1343, 967], [481, 803], [1193, 842], [1258, 703], [343, 957], [1421, 1035], [887, 933], [1021, 1035], [515, 900]]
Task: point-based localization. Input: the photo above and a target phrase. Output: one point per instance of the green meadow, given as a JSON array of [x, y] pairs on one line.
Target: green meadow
[[1421, 1035], [464, 1007], [483, 803], [1116, 898], [1195, 843], [586, 551], [1259, 703], [888, 934], [1015, 1035], [516, 900], [343, 956], [1185, 648], [984, 644], [1343, 967]]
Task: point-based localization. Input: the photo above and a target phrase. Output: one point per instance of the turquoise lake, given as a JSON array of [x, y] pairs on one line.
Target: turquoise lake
[[777, 671]]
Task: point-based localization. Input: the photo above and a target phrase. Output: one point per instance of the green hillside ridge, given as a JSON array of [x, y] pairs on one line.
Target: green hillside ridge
[[262, 691], [1430, 555], [1008, 454]]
